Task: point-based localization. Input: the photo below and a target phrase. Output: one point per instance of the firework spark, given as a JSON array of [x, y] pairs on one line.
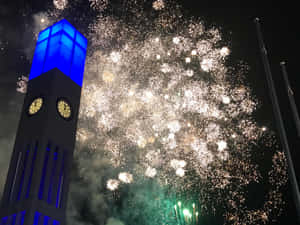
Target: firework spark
[[60, 4]]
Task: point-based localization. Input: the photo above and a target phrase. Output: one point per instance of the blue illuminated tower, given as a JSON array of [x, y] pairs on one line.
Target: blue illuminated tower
[[39, 172]]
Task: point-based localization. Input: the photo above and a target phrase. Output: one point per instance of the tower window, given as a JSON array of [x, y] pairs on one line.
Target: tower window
[[15, 176], [60, 184], [43, 178], [40, 219], [23, 173], [51, 183], [31, 169]]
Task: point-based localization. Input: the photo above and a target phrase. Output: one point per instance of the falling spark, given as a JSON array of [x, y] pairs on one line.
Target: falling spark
[[112, 184], [180, 172], [60, 4], [150, 172], [222, 145], [224, 51], [158, 5], [22, 84], [125, 177], [225, 99], [206, 64], [187, 59], [176, 40], [115, 56]]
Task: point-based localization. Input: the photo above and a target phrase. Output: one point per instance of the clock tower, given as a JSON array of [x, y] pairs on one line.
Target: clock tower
[[38, 178]]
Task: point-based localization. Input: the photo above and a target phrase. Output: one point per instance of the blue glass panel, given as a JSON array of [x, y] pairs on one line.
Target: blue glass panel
[[46, 219], [65, 57], [57, 27], [4, 220], [44, 35], [78, 65], [81, 40], [67, 41], [55, 222], [69, 29], [38, 59], [53, 52], [14, 219], [22, 217], [36, 218]]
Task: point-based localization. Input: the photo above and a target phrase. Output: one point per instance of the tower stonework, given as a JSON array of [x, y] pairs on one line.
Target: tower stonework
[[38, 178]]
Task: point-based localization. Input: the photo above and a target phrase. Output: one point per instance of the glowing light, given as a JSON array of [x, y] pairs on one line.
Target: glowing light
[[60, 4], [108, 77], [142, 142], [225, 99], [222, 145], [158, 57], [187, 59], [189, 73], [224, 51], [186, 212], [115, 56], [131, 93], [125, 177], [206, 64], [176, 40], [112, 184], [263, 128], [158, 5], [174, 126], [165, 68], [176, 164], [171, 136], [194, 52], [63, 51], [150, 172]]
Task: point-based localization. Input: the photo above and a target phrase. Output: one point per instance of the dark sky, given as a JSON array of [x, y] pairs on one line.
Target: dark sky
[[281, 33]]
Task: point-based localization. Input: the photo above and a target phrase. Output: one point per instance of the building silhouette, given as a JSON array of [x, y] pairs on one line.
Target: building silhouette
[[37, 182]]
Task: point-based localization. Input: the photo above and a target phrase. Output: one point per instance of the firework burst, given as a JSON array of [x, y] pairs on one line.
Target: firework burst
[[159, 101]]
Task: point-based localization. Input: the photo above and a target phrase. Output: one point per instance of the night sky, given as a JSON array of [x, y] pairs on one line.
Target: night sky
[[280, 28]]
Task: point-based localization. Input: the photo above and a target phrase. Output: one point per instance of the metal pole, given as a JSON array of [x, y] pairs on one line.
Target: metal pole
[[291, 97], [278, 119]]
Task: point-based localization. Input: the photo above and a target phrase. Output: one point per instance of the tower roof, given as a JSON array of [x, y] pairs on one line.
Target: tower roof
[[60, 46]]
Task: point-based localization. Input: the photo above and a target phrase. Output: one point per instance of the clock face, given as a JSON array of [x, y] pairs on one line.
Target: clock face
[[35, 106], [64, 109]]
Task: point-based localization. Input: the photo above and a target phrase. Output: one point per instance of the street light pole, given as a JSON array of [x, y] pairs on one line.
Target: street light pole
[[278, 119], [291, 97]]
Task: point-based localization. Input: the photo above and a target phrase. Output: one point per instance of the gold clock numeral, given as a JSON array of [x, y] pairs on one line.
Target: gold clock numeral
[[35, 106]]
